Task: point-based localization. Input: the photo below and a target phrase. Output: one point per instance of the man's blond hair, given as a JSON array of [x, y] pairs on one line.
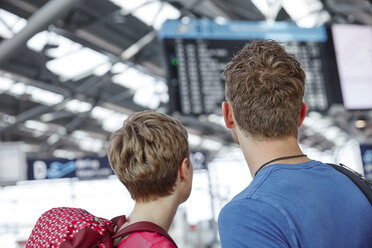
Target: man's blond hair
[[265, 86], [146, 154]]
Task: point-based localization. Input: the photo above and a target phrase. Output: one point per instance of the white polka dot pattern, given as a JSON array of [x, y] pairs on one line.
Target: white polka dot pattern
[[60, 224]]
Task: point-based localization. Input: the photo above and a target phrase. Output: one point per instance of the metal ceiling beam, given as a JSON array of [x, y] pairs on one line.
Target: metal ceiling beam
[[139, 45], [50, 12], [113, 52], [32, 113], [66, 92]]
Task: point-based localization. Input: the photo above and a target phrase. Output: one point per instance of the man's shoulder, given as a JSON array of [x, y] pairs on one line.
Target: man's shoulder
[[273, 187], [252, 220], [284, 177], [245, 207]]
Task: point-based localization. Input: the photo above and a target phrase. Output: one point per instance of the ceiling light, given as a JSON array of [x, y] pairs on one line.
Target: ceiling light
[[101, 113], [102, 69], [119, 68], [77, 106], [360, 124], [44, 96], [53, 138], [59, 153], [36, 125], [5, 84], [114, 122], [90, 144], [18, 89], [77, 134]]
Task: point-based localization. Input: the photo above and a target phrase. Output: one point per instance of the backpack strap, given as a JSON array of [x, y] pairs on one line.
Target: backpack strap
[[143, 226], [363, 183], [118, 222]]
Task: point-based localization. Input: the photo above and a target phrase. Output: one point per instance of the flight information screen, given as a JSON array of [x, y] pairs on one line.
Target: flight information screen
[[353, 46], [197, 51]]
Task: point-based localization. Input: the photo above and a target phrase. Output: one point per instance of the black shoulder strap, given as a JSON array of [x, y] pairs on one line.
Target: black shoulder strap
[[143, 226], [363, 183]]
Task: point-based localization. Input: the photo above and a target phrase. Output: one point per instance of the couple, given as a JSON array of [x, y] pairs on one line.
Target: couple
[[293, 201]]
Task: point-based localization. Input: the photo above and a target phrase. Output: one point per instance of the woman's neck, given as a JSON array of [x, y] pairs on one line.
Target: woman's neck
[[160, 211]]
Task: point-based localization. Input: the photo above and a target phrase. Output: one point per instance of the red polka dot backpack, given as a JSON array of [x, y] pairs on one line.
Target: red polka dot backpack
[[76, 228]]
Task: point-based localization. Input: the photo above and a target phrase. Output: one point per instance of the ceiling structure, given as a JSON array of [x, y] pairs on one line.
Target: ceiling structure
[[68, 78]]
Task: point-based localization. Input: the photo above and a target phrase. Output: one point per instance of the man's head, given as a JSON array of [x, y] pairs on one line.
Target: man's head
[[264, 87], [147, 152]]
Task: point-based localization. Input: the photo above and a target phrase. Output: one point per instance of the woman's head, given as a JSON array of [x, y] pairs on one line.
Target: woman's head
[[146, 154]]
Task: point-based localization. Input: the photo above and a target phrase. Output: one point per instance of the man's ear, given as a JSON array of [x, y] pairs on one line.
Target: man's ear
[[303, 112], [228, 115], [184, 171]]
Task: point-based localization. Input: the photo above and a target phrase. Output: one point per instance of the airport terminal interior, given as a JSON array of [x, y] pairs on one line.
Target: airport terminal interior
[[71, 71]]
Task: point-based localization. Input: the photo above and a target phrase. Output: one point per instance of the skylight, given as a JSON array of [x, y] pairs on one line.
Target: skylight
[[148, 91], [5, 84], [153, 13], [17, 89], [10, 24], [306, 13], [86, 142], [64, 45], [44, 96], [36, 94], [77, 64], [132, 78], [36, 125], [114, 122], [111, 120], [269, 9], [90, 144], [101, 113], [72, 60], [78, 106]]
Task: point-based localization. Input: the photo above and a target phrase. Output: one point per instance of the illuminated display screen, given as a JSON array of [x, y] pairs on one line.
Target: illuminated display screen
[[197, 52], [353, 46]]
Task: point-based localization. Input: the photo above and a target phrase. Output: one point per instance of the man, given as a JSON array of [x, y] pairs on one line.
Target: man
[[150, 156], [293, 201]]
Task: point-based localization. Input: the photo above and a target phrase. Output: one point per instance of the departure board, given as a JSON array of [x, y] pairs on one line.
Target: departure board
[[353, 48], [197, 51]]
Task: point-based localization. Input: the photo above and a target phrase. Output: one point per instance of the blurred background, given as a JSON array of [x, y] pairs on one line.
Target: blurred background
[[71, 71]]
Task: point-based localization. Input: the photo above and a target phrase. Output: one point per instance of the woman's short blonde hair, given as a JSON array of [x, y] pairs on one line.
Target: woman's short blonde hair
[[146, 154]]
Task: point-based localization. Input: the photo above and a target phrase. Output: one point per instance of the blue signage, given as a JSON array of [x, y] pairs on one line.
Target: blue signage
[[88, 167], [240, 30], [82, 168]]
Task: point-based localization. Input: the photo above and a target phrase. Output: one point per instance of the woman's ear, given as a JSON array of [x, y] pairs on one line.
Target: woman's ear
[[184, 170]]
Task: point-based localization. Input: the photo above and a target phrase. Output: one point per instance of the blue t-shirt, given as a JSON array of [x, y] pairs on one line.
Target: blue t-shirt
[[298, 205]]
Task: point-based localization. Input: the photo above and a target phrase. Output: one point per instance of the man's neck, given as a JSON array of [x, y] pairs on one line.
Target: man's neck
[[259, 152]]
